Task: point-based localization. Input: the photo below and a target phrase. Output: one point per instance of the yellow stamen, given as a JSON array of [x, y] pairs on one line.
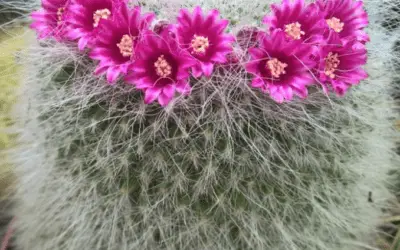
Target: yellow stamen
[[100, 14], [331, 64], [294, 30], [335, 24], [200, 44], [126, 46], [163, 68], [276, 67]]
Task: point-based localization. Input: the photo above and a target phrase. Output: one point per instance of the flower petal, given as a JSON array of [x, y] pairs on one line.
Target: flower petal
[[83, 42], [207, 68], [183, 87], [197, 71], [112, 74], [151, 94]]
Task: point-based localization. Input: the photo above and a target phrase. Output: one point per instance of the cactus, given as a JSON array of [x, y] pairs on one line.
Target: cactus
[[224, 168], [393, 25], [390, 237]]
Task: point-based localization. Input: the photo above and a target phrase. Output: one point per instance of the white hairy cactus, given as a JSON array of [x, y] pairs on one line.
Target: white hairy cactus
[[225, 168], [392, 25]]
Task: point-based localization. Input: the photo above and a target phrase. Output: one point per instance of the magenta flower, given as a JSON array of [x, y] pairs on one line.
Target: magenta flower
[[161, 26], [281, 67], [115, 45], [50, 19], [247, 37], [345, 17], [298, 20], [203, 37], [86, 16], [340, 64], [161, 68]]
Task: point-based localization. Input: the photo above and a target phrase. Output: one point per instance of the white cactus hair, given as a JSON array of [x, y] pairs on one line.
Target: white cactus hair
[[225, 168], [11, 11]]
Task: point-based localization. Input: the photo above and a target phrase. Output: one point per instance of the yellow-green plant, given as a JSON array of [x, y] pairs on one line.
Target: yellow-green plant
[[10, 42]]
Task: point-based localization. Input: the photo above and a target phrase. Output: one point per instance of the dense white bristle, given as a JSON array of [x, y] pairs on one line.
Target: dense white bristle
[[226, 168]]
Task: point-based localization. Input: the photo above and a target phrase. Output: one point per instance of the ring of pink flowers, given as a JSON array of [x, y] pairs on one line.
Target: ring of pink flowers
[[276, 67]]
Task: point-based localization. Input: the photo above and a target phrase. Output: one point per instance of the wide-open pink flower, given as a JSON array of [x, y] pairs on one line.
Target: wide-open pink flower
[[299, 21], [204, 38], [281, 67], [340, 64], [85, 17], [161, 68], [49, 21], [115, 44], [345, 17]]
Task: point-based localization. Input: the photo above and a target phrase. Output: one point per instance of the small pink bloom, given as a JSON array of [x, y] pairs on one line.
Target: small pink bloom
[[203, 37], [247, 37], [299, 21], [115, 44], [345, 17], [50, 19], [233, 64], [161, 26], [281, 67], [340, 64], [161, 68], [87, 15]]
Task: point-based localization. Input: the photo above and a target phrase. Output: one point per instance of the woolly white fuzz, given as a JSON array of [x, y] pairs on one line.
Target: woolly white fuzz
[[226, 168]]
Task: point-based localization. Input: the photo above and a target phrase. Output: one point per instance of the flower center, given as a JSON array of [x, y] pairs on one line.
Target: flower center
[[60, 13], [100, 14], [276, 67], [163, 68], [294, 30], [200, 44], [126, 46], [335, 24], [331, 64]]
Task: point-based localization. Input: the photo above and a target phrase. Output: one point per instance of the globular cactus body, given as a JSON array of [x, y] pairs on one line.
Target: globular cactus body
[[223, 168]]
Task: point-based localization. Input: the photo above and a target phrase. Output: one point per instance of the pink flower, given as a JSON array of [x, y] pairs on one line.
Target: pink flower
[[50, 19], [161, 68], [340, 64], [161, 26], [204, 38], [345, 17], [298, 20], [233, 64], [281, 67], [247, 37], [115, 45], [87, 15]]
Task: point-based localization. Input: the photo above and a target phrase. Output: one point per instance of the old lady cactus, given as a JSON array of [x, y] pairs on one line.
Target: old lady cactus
[[219, 164]]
